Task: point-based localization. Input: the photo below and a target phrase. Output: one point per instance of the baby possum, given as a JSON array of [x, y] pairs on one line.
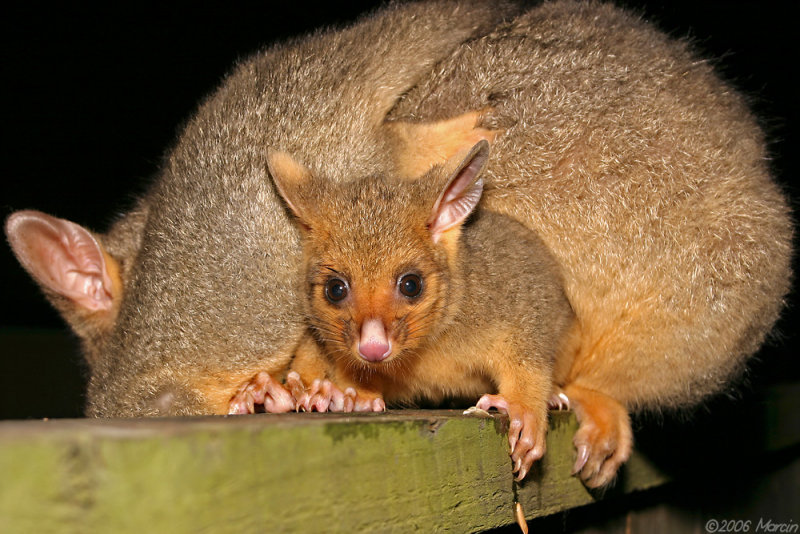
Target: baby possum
[[409, 299]]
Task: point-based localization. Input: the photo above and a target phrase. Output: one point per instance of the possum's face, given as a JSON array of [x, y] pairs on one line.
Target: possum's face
[[376, 283], [380, 253]]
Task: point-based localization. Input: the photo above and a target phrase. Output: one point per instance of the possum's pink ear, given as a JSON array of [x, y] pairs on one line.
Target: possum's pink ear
[[65, 259], [462, 192], [291, 179]]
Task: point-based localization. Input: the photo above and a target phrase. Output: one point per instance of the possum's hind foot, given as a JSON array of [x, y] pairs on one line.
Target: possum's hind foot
[[261, 390], [526, 433], [604, 439]]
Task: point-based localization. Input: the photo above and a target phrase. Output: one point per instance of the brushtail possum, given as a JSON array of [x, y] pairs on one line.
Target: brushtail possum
[[196, 288], [408, 301]]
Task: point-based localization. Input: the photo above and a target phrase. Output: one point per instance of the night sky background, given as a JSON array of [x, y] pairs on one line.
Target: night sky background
[[94, 97]]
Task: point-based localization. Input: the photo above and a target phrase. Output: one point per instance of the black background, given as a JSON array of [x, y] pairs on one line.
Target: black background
[[94, 97]]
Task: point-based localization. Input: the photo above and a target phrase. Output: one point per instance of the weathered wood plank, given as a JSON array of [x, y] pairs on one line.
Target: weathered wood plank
[[384, 472], [394, 472]]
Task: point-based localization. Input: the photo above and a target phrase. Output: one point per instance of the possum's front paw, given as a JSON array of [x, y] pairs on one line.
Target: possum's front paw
[[324, 396], [261, 390], [526, 433], [604, 439], [321, 396]]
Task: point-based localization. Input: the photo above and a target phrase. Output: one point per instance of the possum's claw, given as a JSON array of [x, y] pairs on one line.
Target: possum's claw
[[526, 433], [298, 390], [353, 402], [365, 402], [263, 390], [558, 401], [326, 397], [320, 396], [581, 459]]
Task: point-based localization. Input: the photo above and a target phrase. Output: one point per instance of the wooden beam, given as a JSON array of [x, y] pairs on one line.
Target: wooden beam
[[398, 471]]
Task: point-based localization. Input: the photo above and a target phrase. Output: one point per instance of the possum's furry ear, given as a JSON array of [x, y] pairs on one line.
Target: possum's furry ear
[[70, 265], [461, 192], [292, 180], [419, 146]]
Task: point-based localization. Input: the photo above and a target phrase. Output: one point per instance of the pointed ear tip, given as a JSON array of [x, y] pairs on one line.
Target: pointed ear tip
[[481, 148], [272, 156], [11, 223], [17, 216], [273, 153], [17, 221]]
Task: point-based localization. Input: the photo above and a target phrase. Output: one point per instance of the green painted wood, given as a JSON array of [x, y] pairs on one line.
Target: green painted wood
[[400, 471], [375, 472]]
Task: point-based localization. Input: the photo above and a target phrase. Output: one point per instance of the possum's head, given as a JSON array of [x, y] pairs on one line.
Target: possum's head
[[381, 253]]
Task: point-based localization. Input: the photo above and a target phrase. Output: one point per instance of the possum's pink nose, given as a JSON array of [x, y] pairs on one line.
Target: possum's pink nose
[[373, 345]]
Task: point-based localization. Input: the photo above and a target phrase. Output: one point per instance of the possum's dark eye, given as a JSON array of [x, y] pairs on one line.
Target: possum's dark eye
[[335, 290], [410, 285]]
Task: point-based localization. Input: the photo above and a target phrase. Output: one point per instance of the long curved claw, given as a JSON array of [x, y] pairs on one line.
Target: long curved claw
[[325, 396], [581, 459], [323, 399], [368, 403], [349, 400]]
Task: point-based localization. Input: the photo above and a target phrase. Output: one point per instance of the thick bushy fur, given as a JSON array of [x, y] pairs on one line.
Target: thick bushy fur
[[648, 179], [209, 260]]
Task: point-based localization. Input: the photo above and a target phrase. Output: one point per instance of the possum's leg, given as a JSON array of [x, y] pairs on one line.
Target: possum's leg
[[524, 386], [526, 432], [604, 439], [418, 146], [264, 390]]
